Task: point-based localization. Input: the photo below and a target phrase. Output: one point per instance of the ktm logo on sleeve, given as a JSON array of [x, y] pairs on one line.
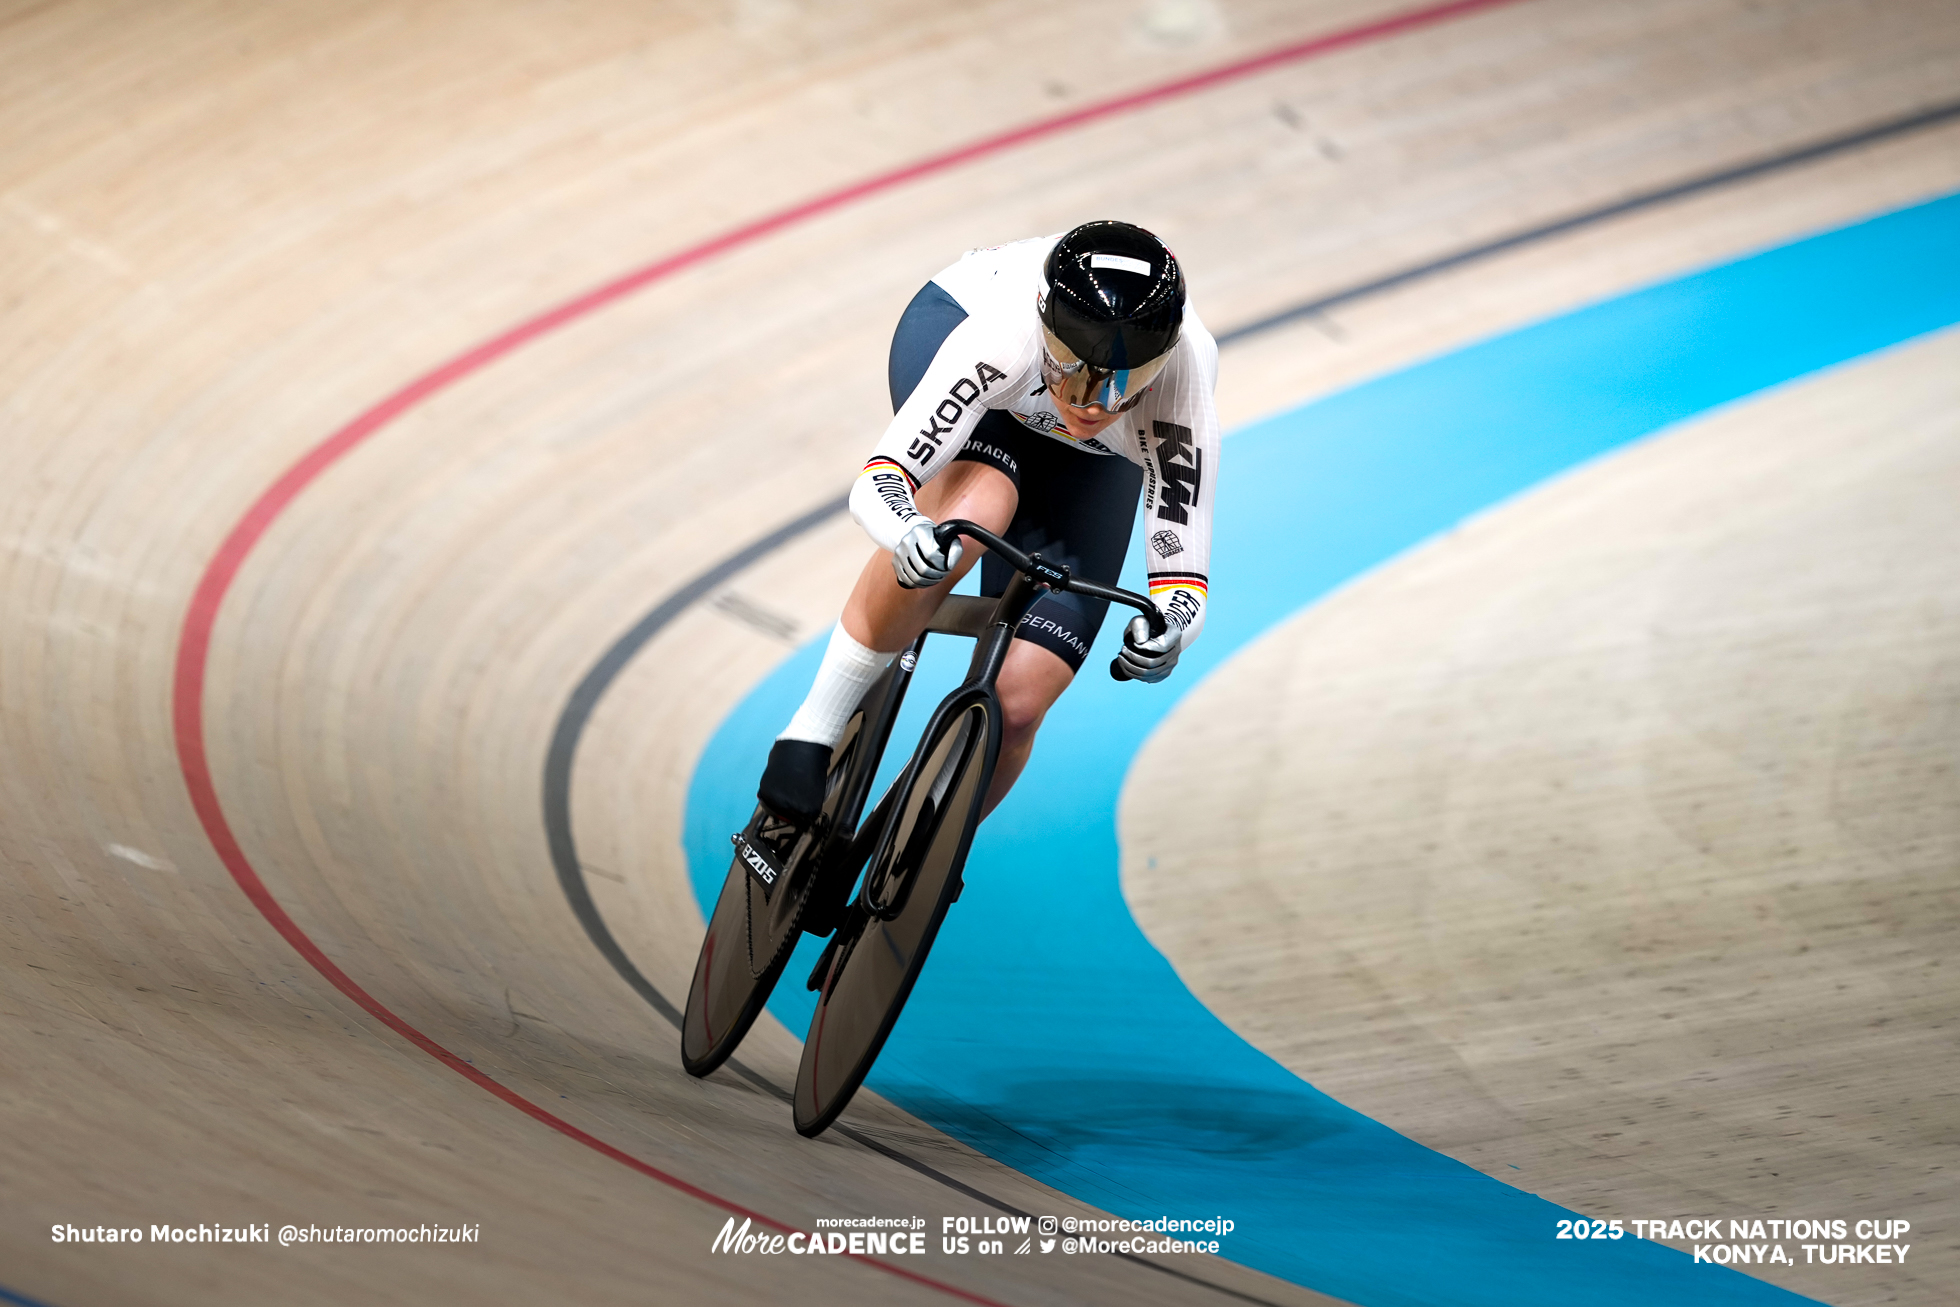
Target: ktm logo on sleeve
[[941, 421], [1181, 480]]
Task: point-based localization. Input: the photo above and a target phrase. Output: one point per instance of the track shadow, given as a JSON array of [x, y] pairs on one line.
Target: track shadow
[[1073, 1116]]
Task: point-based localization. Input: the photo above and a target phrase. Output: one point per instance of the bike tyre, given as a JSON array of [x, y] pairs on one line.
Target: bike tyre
[[873, 972], [750, 936]]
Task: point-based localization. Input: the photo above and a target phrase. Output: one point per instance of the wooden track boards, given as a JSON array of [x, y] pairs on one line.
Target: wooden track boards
[[1626, 880], [229, 230]]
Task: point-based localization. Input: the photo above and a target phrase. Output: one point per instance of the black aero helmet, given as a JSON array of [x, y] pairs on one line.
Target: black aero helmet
[[1111, 314]]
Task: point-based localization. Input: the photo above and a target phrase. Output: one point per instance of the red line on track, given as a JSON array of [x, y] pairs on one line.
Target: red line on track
[[194, 643]]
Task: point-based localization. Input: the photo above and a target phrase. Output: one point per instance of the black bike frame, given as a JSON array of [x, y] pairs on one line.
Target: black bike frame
[[993, 634], [872, 747], [989, 654], [893, 873]]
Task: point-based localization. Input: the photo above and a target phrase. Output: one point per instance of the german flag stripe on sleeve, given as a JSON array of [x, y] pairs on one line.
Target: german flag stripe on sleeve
[[1161, 581], [881, 462]]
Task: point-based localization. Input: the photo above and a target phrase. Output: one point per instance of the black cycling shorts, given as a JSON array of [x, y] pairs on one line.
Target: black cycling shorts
[[1076, 508]]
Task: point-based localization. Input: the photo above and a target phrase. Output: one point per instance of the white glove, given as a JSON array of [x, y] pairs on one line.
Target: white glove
[[918, 561], [1147, 659]]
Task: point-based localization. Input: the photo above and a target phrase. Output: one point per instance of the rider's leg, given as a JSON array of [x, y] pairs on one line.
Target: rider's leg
[[1077, 509], [1031, 679], [880, 618]]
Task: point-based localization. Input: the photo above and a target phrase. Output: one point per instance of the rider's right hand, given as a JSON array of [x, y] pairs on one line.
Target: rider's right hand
[[918, 560]]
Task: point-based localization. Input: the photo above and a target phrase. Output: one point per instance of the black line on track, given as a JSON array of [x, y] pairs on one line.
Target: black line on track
[[1644, 200], [572, 720], [578, 711]]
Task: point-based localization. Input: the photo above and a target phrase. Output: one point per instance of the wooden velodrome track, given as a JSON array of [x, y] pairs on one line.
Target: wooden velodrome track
[[232, 230]]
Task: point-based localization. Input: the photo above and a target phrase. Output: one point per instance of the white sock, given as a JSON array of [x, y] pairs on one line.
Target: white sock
[[848, 670]]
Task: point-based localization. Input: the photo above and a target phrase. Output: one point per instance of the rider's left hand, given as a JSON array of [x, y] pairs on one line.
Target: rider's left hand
[[1146, 658]]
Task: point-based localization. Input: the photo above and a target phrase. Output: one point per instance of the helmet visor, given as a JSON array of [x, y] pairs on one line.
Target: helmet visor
[[1079, 384]]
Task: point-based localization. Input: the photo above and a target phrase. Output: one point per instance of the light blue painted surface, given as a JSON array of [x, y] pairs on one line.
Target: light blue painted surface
[[1047, 1031]]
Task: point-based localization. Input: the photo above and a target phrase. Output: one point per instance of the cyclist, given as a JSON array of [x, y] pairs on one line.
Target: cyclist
[[1038, 387]]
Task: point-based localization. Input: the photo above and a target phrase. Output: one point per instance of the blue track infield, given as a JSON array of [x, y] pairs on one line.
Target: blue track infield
[[1048, 1033]]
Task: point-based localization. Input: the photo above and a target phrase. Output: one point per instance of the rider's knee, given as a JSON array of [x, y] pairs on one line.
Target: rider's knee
[[1021, 710], [1030, 682]]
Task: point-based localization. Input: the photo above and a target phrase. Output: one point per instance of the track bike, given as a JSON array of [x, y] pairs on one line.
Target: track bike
[[786, 878]]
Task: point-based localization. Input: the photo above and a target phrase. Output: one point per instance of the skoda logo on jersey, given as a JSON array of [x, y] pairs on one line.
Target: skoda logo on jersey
[[940, 423]]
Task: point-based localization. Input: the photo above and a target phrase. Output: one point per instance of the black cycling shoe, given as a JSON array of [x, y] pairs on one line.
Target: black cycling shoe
[[793, 782]]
